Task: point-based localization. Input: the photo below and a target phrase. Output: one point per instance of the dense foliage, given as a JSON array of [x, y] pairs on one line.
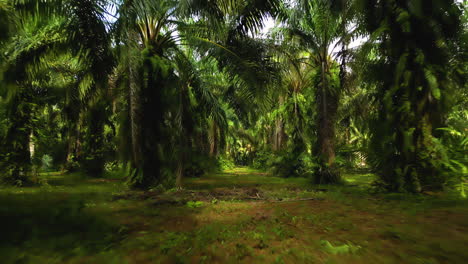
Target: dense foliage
[[163, 90]]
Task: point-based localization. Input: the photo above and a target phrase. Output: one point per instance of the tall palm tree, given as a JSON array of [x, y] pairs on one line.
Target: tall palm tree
[[151, 37], [146, 37], [22, 54], [43, 28], [297, 81], [87, 27], [320, 29], [414, 41]]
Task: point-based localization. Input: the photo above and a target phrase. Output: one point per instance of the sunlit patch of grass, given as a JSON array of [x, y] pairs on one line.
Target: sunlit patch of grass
[[243, 177], [359, 178]]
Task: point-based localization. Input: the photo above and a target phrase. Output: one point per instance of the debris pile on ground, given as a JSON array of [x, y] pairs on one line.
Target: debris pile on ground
[[219, 194], [181, 197]]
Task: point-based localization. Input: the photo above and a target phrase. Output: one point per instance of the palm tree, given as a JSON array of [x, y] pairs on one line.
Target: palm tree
[[297, 81], [5, 19], [151, 35], [44, 27], [320, 29], [23, 53], [147, 43], [414, 41]]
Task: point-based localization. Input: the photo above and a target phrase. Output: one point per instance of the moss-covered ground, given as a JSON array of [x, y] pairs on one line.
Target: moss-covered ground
[[238, 216]]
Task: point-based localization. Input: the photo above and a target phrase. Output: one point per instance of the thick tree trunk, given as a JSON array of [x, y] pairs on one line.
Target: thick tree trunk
[[279, 138], [414, 89], [151, 124], [74, 146], [181, 163], [32, 146], [92, 160], [326, 129], [327, 106], [70, 153], [214, 140], [185, 134], [204, 141], [147, 126], [135, 119], [179, 174]]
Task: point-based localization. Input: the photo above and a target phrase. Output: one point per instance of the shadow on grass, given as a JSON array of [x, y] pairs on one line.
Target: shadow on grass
[[52, 224]]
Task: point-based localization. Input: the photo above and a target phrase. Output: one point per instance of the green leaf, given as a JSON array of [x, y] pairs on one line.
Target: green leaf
[[343, 249]]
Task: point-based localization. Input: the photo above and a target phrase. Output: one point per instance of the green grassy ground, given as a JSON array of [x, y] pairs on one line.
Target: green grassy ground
[[240, 215]]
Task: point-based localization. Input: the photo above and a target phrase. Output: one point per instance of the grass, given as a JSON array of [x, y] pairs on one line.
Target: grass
[[241, 215]]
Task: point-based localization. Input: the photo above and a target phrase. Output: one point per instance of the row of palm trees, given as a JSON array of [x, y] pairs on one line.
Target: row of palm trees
[[144, 62], [395, 99], [164, 81]]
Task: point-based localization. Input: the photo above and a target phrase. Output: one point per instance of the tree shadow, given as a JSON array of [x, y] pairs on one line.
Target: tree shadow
[[42, 223]]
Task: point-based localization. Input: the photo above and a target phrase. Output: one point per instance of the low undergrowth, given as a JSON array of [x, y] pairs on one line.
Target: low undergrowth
[[237, 216]]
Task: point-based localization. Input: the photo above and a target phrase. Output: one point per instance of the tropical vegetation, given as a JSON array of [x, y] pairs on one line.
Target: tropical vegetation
[[160, 95]]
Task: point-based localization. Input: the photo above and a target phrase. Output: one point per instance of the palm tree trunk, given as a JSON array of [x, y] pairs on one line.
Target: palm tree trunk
[[93, 161], [179, 173], [148, 123], [32, 146], [214, 140], [74, 145], [326, 133], [279, 129], [150, 127], [327, 106], [186, 132], [135, 119]]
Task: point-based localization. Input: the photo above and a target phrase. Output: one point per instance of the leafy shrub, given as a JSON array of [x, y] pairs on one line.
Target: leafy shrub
[[225, 163], [288, 165], [46, 162], [456, 161], [13, 173], [199, 164], [262, 160], [349, 158]]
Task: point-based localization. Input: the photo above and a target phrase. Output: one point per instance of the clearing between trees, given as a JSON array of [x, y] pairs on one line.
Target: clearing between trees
[[239, 215]]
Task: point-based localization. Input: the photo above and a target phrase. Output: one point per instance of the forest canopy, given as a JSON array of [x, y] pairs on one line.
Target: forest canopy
[[166, 90]]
